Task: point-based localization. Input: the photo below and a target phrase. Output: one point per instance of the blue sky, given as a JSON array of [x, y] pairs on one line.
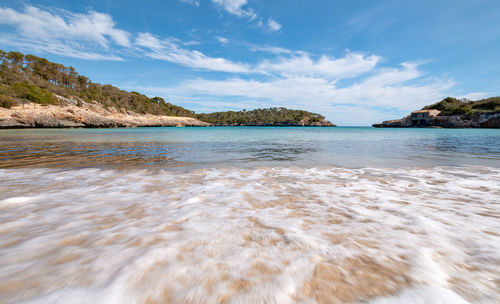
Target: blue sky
[[356, 62]]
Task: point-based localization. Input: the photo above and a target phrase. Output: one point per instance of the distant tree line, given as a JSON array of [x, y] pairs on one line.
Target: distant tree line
[[271, 116], [454, 106], [31, 78]]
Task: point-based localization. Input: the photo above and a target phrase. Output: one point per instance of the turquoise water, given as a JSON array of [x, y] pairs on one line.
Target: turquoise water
[[351, 147]]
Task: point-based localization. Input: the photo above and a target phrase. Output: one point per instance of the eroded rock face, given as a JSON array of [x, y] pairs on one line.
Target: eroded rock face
[[86, 115], [483, 120], [322, 123], [491, 122], [396, 123]]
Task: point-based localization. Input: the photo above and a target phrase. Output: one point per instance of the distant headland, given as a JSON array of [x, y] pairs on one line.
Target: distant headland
[[35, 92], [451, 113]]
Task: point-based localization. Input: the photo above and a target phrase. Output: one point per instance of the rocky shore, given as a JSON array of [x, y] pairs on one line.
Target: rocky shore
[[476, 120], [74, 114]]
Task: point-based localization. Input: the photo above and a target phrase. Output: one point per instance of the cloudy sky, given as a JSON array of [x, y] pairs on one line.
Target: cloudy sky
[[356, 62]]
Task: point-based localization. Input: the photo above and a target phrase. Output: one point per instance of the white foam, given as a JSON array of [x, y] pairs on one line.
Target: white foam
[[250, 235], [18, 200], [422, 295]]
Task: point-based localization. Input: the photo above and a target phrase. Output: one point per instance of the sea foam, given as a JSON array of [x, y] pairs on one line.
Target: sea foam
[[261, 235]]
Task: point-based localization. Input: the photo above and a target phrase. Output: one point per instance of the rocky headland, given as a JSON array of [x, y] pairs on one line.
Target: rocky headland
[[73, 113], [478, 120], [452, 113]]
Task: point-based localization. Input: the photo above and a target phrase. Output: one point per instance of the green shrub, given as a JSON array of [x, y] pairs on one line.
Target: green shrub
[[33, 93], [445, 104], [453, 106], [457, 110], [489, 104], [7, 101]]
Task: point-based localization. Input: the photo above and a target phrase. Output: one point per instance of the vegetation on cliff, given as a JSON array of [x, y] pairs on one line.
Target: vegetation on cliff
[[28, 78], [454, 113], [34, 79], [271, 116], [453, 106]]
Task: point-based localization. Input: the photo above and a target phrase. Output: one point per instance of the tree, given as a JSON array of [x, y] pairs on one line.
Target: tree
[[16, 58]]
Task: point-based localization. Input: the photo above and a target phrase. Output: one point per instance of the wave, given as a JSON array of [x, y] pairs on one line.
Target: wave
[[269, 234]]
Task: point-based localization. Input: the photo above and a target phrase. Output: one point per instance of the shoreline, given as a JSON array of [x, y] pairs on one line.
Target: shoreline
[[96, 116], [463, 121], [88, 115], [166, 126]]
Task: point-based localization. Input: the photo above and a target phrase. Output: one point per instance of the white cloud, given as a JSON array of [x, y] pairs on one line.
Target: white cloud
[[191, 43], [351, 65], [289, 63], [191, 2], [93, 27], [310, 92], [235, 7], [222, 40], [273, 25], [275, 50], [476, 95], [62, 49], [353, 115], [389, 76], [148, 40], [169, 50], [68, 33]]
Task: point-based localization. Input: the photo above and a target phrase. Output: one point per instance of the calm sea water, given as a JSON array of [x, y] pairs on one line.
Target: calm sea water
[[250, 215], [352, 147]]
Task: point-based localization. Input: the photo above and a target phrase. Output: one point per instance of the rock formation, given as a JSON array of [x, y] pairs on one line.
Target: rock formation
[[476, 120], [77, 113]]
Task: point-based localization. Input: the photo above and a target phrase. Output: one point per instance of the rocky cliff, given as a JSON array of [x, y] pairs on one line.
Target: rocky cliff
[[476, 120], [77, 113]]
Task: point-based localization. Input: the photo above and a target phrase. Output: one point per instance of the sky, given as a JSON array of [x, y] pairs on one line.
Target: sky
[[356, 62]]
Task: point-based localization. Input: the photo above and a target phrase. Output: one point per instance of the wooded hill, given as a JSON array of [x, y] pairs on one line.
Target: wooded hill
[[28, 78], [262, 117]]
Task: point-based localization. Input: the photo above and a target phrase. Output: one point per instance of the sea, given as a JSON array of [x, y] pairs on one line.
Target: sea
[[250, 215]]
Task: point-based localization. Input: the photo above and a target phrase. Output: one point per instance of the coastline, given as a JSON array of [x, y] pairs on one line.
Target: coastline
[[87, 115], [476, 120], [94, 115]]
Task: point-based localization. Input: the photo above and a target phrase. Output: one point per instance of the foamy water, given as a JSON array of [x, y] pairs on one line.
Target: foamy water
[[261, 235]]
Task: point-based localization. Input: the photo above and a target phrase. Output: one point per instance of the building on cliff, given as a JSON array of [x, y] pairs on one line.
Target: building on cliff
[[421, 118]]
